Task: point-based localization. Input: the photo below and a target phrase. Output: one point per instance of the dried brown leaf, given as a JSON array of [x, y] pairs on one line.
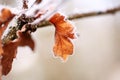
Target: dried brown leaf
[[64, 32], [5, 18], [63, 46], [9, 54], [25, 39], [6, 15], [10, 50]]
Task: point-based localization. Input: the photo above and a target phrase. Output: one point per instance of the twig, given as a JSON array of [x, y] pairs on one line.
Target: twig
[[85, 15], [89, 14]]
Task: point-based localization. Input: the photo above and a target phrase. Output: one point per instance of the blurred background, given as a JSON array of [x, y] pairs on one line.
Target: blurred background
[[97, 51]]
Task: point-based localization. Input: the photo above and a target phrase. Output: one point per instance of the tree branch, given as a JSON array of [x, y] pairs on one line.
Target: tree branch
[[44, 23], [85, 15]]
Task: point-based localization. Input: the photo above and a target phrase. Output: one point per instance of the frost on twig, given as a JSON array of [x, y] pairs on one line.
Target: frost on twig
[[35, 15], [84, 15], [95, 13]]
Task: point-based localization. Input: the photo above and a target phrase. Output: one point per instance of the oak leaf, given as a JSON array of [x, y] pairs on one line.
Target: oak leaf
[[64, 32]]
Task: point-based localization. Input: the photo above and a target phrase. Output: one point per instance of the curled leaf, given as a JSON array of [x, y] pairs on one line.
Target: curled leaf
[[64, 32]]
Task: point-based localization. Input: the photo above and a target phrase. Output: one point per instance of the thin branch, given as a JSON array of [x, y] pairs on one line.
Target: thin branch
[[89, 14], [85, 15]]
